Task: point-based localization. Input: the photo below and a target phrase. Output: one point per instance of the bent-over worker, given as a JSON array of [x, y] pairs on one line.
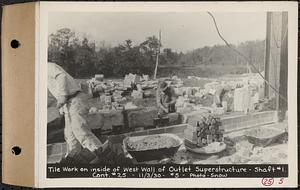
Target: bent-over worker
[[166, 98], [71, 102], [221, 94]]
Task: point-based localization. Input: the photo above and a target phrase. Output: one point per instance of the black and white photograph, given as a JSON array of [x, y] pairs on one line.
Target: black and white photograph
[[150, 94], [158, 88]]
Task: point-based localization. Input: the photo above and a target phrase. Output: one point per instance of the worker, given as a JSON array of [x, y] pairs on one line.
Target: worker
[[218, 96], [166, 98], [71, 103], [221, 96]]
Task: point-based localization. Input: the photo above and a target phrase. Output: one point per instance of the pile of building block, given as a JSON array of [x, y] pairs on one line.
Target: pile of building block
[[208, 130], [131, 79]]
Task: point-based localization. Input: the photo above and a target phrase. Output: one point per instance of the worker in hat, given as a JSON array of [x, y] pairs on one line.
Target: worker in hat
[[222, 96], [71, 102], [166, 98]]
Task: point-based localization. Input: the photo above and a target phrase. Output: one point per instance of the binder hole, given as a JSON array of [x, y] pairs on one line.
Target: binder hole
[[16, 150], [15, 44]]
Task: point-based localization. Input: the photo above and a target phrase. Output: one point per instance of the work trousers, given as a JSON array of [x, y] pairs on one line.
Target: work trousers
[[77, 132]]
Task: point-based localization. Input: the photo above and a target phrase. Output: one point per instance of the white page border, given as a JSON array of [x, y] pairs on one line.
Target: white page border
[[45, 7]]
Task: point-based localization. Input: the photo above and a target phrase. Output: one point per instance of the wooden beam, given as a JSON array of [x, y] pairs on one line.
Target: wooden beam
[[267, 53], [283, 75], [157, 55]]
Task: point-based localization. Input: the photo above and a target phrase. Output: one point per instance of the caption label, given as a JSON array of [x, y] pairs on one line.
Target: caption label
[[168, 171]]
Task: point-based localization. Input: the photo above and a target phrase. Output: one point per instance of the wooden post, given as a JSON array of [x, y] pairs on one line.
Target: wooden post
[[267, 55], [157, 55], [283, 75]]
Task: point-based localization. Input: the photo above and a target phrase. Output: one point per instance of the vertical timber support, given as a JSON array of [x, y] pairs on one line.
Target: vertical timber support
[[267, 56], [283, 84], [157, 55]]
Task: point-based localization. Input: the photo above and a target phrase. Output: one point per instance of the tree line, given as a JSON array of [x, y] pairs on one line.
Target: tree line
[[83, 58]]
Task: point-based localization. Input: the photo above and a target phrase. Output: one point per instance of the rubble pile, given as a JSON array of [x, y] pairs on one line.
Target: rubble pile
[[115, 94], [131, 79], [221, 95], [215, 96]]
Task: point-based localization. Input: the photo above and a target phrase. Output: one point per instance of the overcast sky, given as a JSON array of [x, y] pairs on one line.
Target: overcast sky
[[180, 31]]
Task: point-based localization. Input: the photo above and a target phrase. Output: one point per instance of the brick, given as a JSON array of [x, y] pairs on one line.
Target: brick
[[191, 137], [252, 119], [259, 120], [189, 127], [257, 116], [232, 121], [229, 127], [188, 130], [225, 121], [238, 120], [225, 127], [253, 122], [247, 123]]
